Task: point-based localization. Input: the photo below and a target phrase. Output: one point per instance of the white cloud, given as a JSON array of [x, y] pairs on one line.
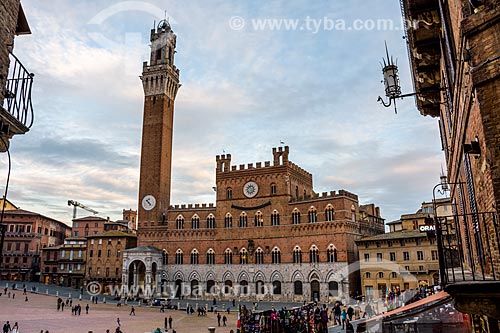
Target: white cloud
[[243, 91]]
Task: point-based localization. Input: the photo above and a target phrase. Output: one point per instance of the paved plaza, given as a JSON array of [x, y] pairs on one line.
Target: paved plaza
[[40, 313]]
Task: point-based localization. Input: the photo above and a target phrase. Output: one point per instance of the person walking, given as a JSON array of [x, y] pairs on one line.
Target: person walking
[[368, 310], [343, 316], [118, 321], [218, 318], [15, 328], [170, 322], [350, 312], [7, 328], [224, 319], [87, 308], [132, 311], [337, 311]]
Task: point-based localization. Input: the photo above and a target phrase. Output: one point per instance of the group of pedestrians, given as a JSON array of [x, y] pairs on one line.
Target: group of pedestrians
[[343, 316], [224, 319], [75, 310], [7, 328]]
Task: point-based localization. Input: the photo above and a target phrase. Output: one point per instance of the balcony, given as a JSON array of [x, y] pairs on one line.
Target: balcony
[[423, 25], [471, 267], [16, 113], [22, 234]]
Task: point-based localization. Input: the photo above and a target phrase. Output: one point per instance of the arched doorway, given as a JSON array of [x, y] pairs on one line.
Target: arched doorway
[[244, 288], [195, 290], [297, 288], [165, 290], [276, 288], [211, 287], [228, 287], [315, 289], [260, 287], [136, 278], [178, 288], [333, 288]]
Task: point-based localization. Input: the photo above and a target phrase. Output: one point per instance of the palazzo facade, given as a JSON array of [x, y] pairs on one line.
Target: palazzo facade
[[268, 236]]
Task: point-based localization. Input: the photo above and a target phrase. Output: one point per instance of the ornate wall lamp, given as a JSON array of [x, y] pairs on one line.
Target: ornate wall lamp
[[391, 82]]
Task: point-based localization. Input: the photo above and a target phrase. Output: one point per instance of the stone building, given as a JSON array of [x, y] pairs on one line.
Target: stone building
[[407, 256], [105, 256], [27, 233], [16, 114], [455, 57], [268, 234], [397, 261], [88, 226], [65, 264], [126, 224]]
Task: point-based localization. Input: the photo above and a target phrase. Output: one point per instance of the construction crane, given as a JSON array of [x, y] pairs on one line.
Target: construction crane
[[77, 204]]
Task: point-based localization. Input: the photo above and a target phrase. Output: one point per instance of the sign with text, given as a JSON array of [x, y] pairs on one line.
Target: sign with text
[[427, 228]]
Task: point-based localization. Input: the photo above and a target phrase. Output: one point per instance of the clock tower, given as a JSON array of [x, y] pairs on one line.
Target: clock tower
[[160, 80]]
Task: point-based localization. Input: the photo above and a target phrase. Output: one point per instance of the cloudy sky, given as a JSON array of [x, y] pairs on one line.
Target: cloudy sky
[[312, 82]]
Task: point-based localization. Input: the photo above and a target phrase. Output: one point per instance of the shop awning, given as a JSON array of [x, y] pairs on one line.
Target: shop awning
[[408, 311]]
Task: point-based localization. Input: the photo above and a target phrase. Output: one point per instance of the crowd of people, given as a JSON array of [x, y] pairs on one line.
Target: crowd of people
[[307, 318]]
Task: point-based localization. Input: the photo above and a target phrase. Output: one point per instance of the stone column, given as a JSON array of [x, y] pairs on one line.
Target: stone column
[[158, 282], [136, 276], [147, 284]]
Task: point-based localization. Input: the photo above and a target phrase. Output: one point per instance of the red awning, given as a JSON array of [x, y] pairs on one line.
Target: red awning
[[441, 295]]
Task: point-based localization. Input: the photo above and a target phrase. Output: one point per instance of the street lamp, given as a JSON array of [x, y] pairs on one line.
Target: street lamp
[[444, 188]]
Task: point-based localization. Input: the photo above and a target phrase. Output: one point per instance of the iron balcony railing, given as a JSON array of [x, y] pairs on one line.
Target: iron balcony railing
[[17, 99], [470, 247]]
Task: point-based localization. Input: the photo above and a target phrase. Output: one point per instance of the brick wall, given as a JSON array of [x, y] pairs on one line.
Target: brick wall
[[8, 19], [476, 114]]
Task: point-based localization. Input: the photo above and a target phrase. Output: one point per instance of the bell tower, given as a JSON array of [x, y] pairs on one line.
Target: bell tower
[[160, 80]]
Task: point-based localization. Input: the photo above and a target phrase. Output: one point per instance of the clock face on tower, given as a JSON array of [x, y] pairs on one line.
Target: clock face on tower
[[148, 202], [250, 189]]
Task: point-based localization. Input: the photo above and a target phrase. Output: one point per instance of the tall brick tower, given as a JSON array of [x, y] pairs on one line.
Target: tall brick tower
[[160, 80]]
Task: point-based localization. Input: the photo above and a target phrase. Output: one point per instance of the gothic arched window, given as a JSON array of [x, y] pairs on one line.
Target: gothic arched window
[[331, 253], [210, 221], [195, 222], [179, 257], [228, 221], [329, 213], [275, 218], [297, 255], [276, 256], [179, 222], [243, 223], [314, 254], [195, 256], [210, 257], [295, 216], [312, 215]]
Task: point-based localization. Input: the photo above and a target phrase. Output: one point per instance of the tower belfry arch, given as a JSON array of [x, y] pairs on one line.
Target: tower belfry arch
[[160, 81]]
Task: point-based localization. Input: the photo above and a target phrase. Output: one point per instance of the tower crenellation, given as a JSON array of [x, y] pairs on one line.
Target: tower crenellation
[[280, 155], [161, 76]]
